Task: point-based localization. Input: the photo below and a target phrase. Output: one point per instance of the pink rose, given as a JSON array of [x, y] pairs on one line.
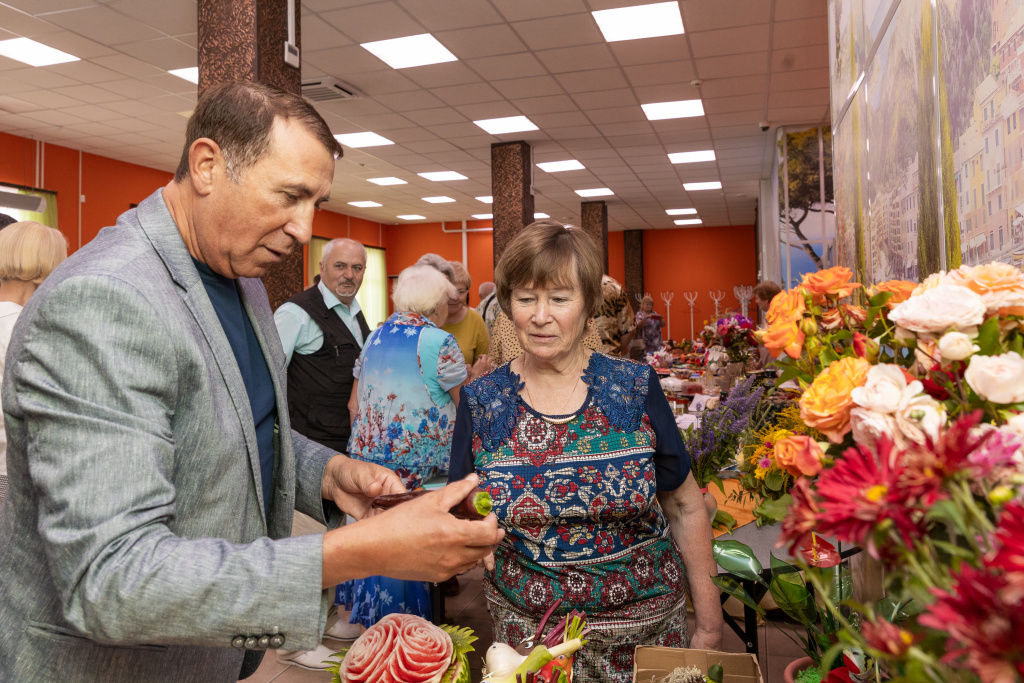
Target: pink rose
[[999, 379], [799, 455], [940, 309], [400, 648]]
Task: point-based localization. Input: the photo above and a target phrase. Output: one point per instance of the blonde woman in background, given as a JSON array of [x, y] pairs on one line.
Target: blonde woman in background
[[29, 252]]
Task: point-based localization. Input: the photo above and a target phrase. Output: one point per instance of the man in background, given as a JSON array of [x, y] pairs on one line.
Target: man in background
[[322, 330]]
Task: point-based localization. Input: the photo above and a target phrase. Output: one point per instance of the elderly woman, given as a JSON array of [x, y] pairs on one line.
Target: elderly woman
[[29, 252], [407, 383], [589, 476], [649, 323], [464, 323]]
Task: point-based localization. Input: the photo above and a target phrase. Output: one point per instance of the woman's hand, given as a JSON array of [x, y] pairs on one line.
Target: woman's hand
[[482, 366], [353, 484]]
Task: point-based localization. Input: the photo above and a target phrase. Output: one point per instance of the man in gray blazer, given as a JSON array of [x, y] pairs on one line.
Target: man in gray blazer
[[152, 483]]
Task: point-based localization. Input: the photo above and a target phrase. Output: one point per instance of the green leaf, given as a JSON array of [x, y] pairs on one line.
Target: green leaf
[[1017, 344], [827, 355], [775, 480], [948, 511], [790, 372], [791, 594], [831, 654], [890, 610], [774, 510], [988, 337], [723, 520], [462, 639], [731, 586], [880, 299], [842, 335], [953, 549], [737, 559], [717, 481]]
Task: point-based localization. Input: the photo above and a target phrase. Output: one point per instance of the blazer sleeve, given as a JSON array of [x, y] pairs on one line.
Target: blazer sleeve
[[102, 391]]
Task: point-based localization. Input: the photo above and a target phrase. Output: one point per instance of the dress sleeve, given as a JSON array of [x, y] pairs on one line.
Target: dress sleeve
[[671, 461], [483, 341], [451, 366], [462, 441]]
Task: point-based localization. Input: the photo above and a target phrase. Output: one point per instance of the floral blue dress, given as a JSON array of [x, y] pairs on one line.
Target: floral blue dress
[[405, 423], [577, 501]]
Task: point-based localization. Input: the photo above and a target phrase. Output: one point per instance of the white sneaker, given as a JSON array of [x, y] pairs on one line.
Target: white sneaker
[[314, 660], [338, 628]]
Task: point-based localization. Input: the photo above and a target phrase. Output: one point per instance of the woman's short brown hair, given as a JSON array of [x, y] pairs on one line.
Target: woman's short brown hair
[[30, 251], [549, 253], [766, 291]]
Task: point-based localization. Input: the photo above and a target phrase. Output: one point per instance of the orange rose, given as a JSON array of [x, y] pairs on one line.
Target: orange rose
[[826, 404], [834, 281], [786, 307], [799, 455], [783, 336], [900, 289]]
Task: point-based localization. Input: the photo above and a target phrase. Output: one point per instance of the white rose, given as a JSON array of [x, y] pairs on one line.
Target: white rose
[[939, 309], [883, 390], [1016, 424], [920, 417], [956, 346], [869, 426], [999, 379]]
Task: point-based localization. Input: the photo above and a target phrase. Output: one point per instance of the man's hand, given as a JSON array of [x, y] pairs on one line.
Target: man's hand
[[353, 484], [416, 541]]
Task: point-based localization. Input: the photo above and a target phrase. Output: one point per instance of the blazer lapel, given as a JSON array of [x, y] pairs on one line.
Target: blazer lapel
[[162, 232]]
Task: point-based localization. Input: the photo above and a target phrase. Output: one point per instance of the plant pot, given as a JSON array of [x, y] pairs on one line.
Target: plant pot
[[796, 666]]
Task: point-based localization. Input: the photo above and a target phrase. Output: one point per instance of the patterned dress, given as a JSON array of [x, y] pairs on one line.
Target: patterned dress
[[577, 501], [405, 423], [651, 331]]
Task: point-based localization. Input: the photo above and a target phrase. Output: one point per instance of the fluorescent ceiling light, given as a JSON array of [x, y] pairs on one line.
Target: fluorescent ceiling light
[[365, 205], [688, 221], [420, 50], [509, 124], [681, 109], [692, 157], [355, 140], [595, 192], [642, 21], [486, 200], [556, 166], [680, 212], [442, 175], [438, 200], [191, 74], [387, 181], [412, 217], [483, 216], [32, 53], [538, 216], [690, 187]]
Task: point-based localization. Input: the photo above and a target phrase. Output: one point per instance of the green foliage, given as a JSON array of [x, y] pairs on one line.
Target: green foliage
[[731, 586], [462, 639]]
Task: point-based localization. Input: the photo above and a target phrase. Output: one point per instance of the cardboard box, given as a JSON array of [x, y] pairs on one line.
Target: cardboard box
[[658, 662]]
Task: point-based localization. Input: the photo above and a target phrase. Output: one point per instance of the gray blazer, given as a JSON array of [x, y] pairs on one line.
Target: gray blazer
[[133, 542]]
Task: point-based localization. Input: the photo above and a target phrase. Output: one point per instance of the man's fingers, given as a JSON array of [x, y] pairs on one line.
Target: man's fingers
[[454, 493]]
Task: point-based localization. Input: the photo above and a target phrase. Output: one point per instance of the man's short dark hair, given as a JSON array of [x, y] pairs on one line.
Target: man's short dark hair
[[239, 118], [6, 220]]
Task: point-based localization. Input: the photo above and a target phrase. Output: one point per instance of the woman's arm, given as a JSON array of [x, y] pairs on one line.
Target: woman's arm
[[454, 393], [353, 403], [688, 522]]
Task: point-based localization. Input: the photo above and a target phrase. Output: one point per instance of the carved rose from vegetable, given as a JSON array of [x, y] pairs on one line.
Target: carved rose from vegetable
[[400, 648]]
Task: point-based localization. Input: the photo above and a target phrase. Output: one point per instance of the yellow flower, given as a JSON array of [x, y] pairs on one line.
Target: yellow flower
[[786, 307], [826, 404]]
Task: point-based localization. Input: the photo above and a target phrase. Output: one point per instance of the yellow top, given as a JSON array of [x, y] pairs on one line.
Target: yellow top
[[471, 335]]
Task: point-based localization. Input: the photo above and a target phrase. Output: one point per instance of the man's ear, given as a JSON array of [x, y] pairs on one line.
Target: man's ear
[[206, 165]]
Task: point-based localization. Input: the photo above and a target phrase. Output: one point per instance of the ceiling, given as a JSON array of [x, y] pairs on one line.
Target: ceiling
[[752, 61]]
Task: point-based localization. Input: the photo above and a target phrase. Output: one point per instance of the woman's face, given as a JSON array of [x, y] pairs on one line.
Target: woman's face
[[549, 321], [456, 303], [648, 307]]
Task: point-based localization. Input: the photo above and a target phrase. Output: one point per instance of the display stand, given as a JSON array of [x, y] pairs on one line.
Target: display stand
[[717, 296]]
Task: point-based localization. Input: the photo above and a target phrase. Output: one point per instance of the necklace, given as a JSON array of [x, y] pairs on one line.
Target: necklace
[[557, 420]]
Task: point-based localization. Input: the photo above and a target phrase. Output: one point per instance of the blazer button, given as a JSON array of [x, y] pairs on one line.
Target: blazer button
[[277, 641], [238, 642], [250, 643], [263, 643]]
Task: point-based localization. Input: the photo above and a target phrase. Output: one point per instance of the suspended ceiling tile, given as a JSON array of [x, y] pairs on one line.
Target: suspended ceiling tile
[[53, 117], [481, 42], [86, 72], [345, 61], [651, 50], [379, 82], [88, 93], [712, 88], [797, 9], [91, 112], [507, 66], [731, 41], [131, 88], [517, 10], [535, 86], [16, 106], [798, 58], [603, 99], [167, 17], [471, 93], [317, 34], [733, 65], [489, 110], [800, 80], [23, 24], [560, 120], [725, 105], [798, 115], [672, 72], [799, 98], [378, 21], [556, 32], [164, 53], [706, 16], [451, 14], [49, 99], [126, 65], [438, 75], [104, 25], [585, 57], [77, 45], [415, 99], [41, 77], [427, 117]]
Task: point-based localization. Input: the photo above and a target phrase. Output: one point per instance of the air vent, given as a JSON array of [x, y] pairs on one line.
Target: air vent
[[327, 89]]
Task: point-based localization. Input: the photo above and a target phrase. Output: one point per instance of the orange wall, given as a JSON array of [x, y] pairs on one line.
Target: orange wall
[[701, 259], [617, 256]]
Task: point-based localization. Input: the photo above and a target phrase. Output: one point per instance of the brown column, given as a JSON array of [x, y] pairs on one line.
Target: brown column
[[594, 216], [510, 188], [634, 257], [243, 40]]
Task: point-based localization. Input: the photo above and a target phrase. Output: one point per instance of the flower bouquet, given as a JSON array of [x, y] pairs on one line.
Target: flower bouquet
[[919, 393], [736, 335]]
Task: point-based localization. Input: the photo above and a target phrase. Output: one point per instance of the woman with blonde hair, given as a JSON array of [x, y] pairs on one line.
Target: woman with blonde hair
[[29, 252]]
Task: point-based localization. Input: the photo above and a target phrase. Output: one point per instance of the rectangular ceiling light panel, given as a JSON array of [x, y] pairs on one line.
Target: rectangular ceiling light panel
[[365, 205], [508, 124], [391, 180], [191, 74], [692, 157], [641, 21], [438, 200], [355, 140], [442, 175], [688, 221], [558, 166], [691, 187], [680, 212], [680, 109], [595, 192], [32, 53], [402, 53]]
